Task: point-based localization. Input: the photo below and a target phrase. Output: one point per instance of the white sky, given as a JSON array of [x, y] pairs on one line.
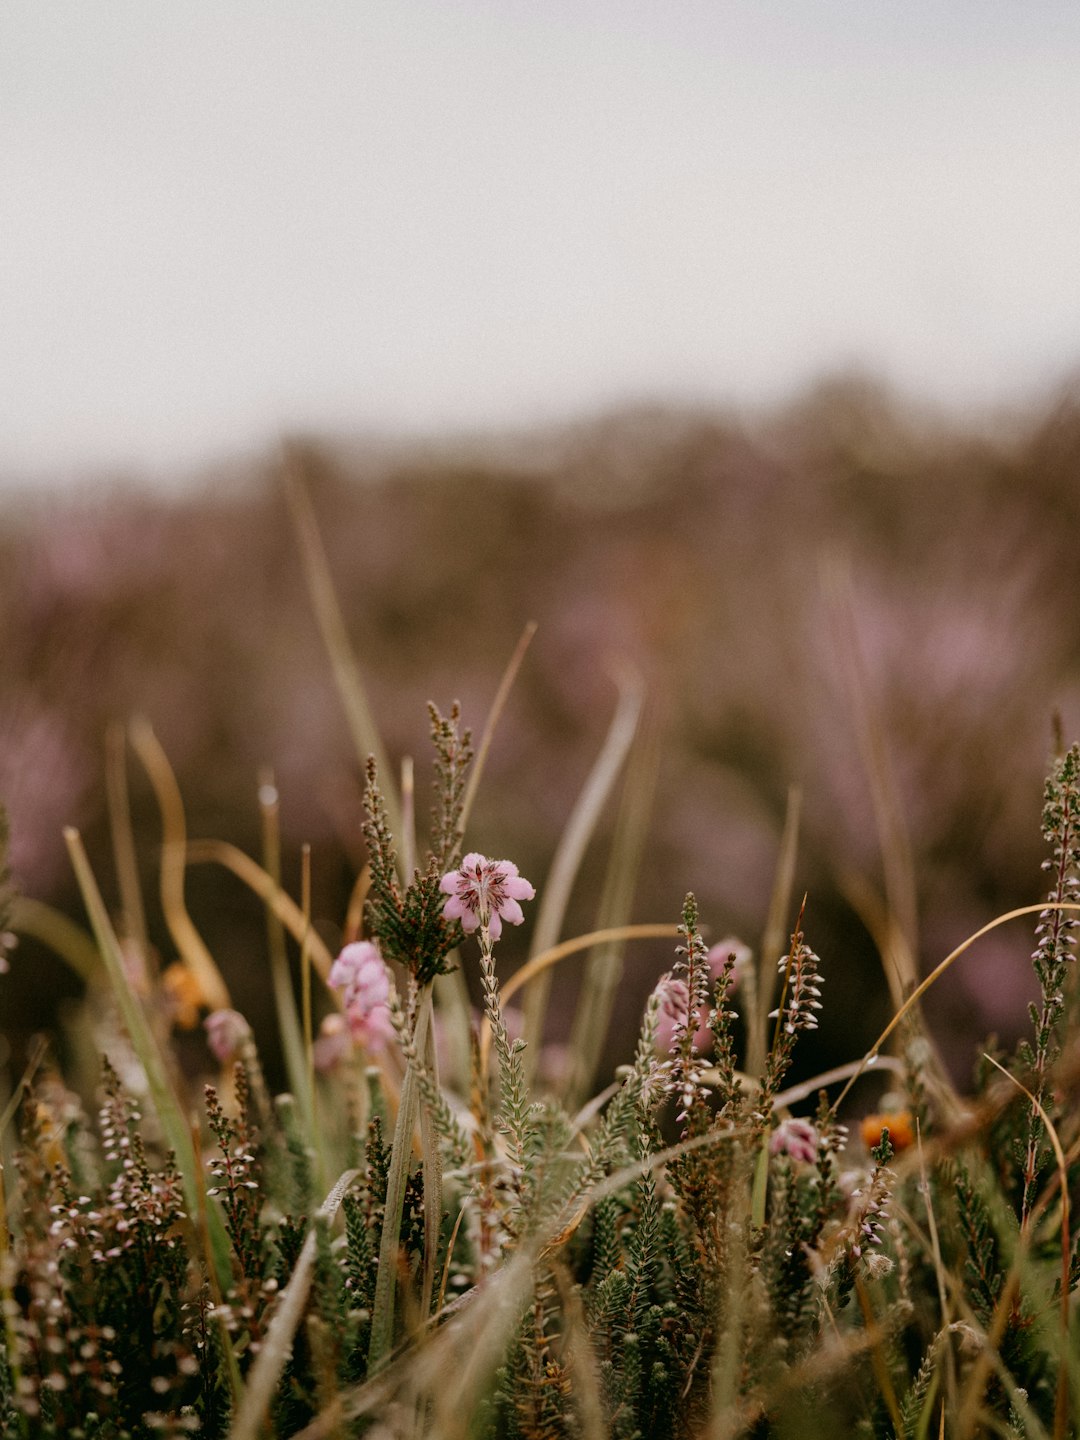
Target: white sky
[[221, 219]]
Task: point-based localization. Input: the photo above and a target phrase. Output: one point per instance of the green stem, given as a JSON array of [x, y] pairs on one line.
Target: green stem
[[382, 1315]]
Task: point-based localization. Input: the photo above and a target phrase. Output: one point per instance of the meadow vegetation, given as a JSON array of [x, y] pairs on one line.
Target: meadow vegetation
[[316, 1148]]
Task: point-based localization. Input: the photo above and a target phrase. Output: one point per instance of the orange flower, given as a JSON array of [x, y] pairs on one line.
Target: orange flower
[[183, 994], [899, 1123]]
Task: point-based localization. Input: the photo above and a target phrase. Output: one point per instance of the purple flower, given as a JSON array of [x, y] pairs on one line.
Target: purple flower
[[485, 893], [226, 1033], [361, 975], [797, 1138]]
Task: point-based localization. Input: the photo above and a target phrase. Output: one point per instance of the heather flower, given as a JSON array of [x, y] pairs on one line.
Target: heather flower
[[675, 998], [359, 972], [371, 1028], [484, 893], [795, 1138], [362, 977], [802, 984], [226, 1033], [870, 1203], [332, 1044]]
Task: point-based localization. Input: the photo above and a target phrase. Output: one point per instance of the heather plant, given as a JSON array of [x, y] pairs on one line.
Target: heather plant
[[428, 1235]]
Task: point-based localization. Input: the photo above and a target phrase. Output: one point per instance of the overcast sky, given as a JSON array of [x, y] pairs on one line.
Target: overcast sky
[[225, 219]]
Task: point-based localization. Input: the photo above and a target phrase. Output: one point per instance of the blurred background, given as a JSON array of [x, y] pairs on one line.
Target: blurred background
[[735, 347]]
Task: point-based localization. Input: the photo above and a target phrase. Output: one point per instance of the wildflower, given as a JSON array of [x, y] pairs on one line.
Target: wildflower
[[675, 998], [332, 1043], [899, 1124], [362, 977], [802, 984], [795, 1138], [484, 893], [226, 1033], [370, 1028], [359, 972], [183, 995]]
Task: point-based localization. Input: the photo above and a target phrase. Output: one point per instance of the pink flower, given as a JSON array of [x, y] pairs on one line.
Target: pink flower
[[226, 1033], [332, 1045], [361, 975], [370, 1028], [485, 893], [797, 1138], [675, 998]]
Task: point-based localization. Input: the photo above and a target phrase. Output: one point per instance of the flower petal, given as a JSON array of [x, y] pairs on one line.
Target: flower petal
[[510, 910]]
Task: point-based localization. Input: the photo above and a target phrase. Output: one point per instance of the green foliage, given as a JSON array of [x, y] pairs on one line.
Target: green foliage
[[408, 923]]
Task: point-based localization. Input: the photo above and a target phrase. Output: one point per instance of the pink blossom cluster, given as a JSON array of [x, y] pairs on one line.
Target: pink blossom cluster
[[795, 1138], [226, 1034], [675, 998], [360, 973], [332, 1044], [484, 893]]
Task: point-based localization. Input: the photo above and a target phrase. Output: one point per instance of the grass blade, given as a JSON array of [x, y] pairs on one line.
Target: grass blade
[[555, 893], [292, 1041], [604, 966], [277, 1343], [331, 622], [187, 939], [165, 1102], [382, 1316], [220, 852], [60, 934]]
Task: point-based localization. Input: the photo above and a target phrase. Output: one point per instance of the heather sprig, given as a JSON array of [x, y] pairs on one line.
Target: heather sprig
[[800, 1002], [721, 1023], [691, 971], [482, 894], [1053, 959], [407, 923], [453, 757]]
